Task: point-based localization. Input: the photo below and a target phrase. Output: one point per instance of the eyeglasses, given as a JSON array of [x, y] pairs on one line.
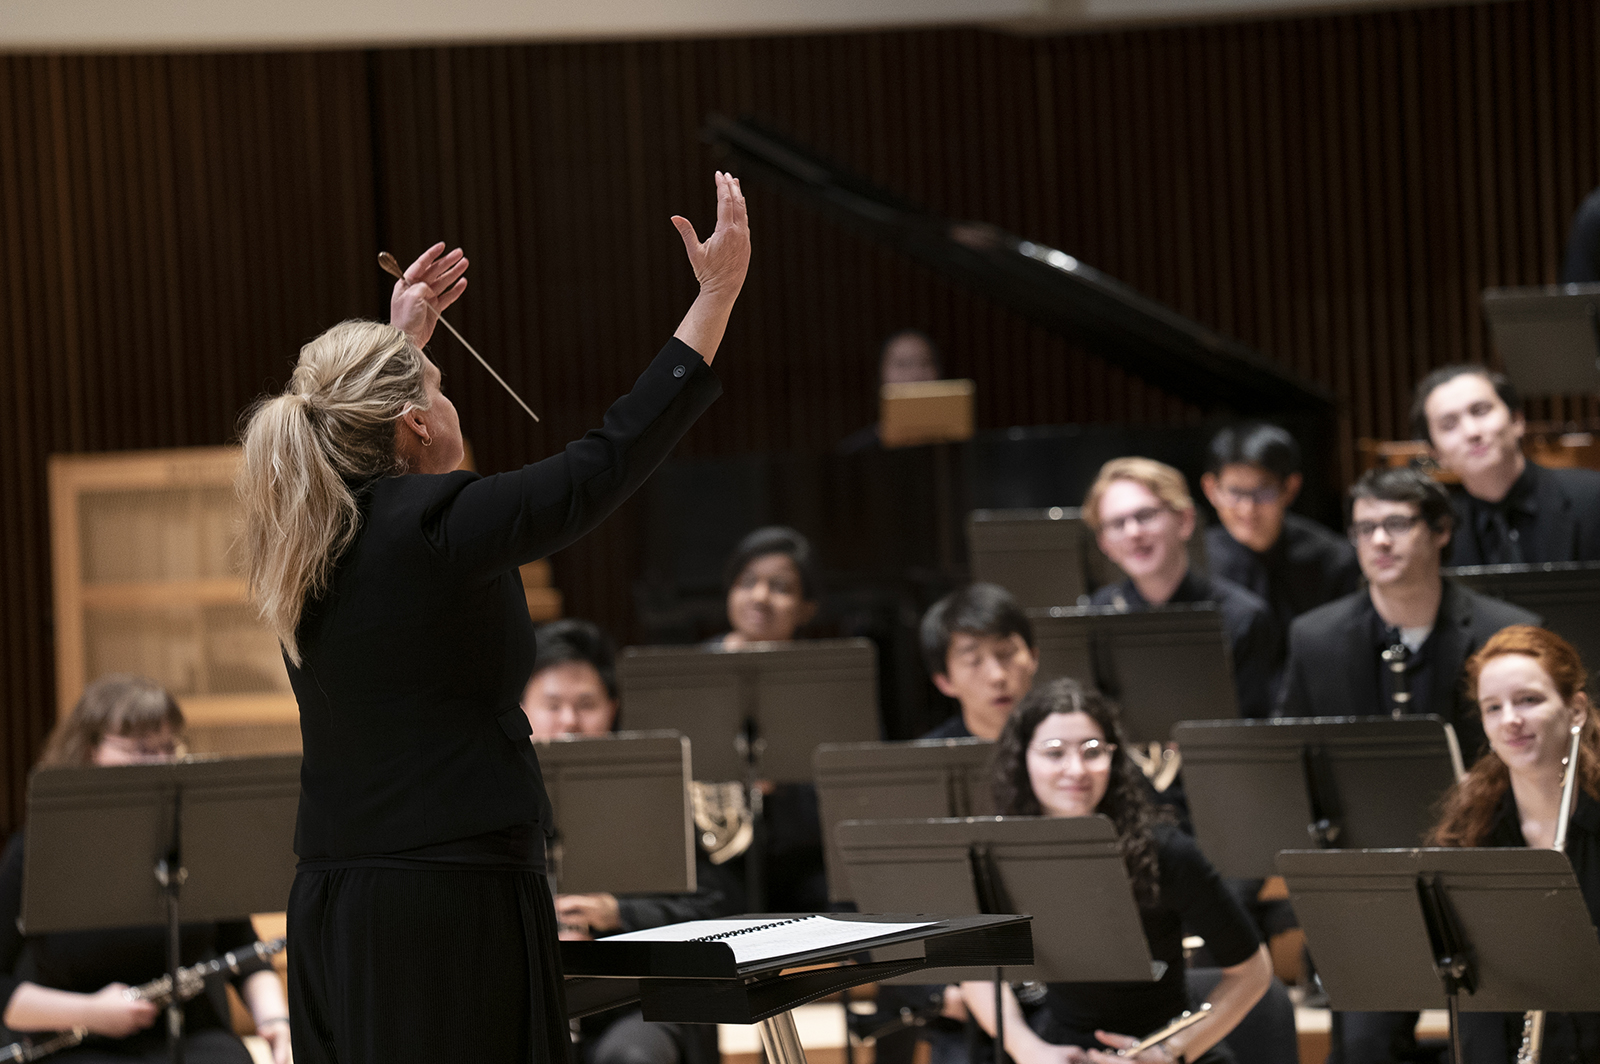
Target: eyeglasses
[[1092, 753], [1264, 496], [1119, 526], [1394, 526]]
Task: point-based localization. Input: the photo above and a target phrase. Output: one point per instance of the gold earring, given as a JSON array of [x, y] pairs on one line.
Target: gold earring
[[427, 441]]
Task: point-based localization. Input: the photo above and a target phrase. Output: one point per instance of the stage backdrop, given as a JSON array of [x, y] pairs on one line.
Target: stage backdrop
[[1334, 191]]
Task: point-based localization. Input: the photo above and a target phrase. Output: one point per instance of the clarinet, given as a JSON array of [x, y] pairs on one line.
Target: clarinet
[[1395, 658], [191, 982]]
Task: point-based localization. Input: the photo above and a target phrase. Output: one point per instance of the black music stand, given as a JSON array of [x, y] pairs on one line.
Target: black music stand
[[1492, 930], [623, 823], [1256, 787], [1068, 873], [1563, 593], [894, 781], [704, 982], [116, 847], [755, 714], [1037, 555], [1548, 336], [1113, 649]]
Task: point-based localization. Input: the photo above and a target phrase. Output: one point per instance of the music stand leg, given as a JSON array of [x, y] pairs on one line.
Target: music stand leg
[[170, 873], [999, 1016], [781, 1041]]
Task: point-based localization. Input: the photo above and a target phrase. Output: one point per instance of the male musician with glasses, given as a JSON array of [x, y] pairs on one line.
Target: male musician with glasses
[[1295, 564], [1401, 642], [1143, 516], [1508, 510]]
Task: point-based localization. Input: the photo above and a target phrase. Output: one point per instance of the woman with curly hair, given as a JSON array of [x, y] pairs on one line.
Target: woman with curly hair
[[1529, 688], [1062, 754]]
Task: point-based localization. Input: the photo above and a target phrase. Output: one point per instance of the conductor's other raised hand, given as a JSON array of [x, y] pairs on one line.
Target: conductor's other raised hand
[[430, 285], [722, 261]]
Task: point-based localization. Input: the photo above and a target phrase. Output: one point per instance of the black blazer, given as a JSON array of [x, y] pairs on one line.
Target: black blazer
[[415, 660], [1333, 667], [1565, 526]]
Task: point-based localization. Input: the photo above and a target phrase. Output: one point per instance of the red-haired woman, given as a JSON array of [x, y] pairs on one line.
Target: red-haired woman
[[1529, 688]]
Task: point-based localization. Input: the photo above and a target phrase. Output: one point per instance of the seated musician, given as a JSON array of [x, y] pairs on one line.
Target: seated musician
[[773, 591], [906, 357], [1143, 516], [1062, 754], [574, 692], [1425, 623], [77, 979], [1508, 509], [1529, 687], [978, 646], [771, 583], [1291, 562]]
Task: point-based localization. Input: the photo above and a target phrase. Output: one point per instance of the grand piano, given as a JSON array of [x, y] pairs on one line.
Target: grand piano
[[889, 525]]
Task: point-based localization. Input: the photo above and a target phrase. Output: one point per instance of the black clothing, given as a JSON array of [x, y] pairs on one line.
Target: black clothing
[[1307, 566], [85, 961], [1191, 897], [1549, 515], [210, 1046], [717, 894], [414, 662], [389, 964], [1418, 680], [1581, 264], [417, 920], [954, 728], [861, 441], [1254, 638], [1333, 663]]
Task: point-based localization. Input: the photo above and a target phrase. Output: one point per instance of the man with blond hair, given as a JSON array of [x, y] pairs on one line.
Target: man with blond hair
[[1142, 516]]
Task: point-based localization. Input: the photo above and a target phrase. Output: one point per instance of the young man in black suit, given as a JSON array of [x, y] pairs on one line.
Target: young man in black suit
[[1508, 509], [1292, 562], [1400, 522], [978, 646], [1142, 516]]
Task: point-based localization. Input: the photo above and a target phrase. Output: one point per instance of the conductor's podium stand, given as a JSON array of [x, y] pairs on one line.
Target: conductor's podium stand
[[755, 970]]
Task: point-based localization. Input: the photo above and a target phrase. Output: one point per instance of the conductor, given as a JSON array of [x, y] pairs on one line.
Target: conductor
[[420, 926]]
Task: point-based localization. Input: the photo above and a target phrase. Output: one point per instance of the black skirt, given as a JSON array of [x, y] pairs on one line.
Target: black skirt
[[394, 964]]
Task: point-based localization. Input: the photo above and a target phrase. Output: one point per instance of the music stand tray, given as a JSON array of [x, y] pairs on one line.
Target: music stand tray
[[1548, 336], [793, 696], [892, 781], [1256, 787], [706, 982], [623, 822], [1489, 930]]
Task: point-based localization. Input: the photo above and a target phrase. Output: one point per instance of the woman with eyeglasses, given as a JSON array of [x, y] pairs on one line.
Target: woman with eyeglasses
[[1062, 755], [77, 979]]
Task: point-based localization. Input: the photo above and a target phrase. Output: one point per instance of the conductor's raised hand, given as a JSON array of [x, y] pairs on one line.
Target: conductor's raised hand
[[430, 285], [722, 261]]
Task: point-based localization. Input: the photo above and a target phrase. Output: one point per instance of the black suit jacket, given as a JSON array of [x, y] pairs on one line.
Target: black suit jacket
[[1565, 525], [1333, 667], [414, 662]]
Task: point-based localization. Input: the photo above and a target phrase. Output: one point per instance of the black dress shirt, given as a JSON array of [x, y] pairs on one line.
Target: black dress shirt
[[414, 661], [1549, 515], [1307, 567], [1253, 636]]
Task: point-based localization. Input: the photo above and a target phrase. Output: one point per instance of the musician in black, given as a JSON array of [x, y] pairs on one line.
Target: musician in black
[[978, 646], [1508, 510], [420, 921], [1143, 516], [76, 979], [772, 586], [907, 356], [1529, 687], [1427, 624], [574, 692], [1294, 564], [1063, 754]]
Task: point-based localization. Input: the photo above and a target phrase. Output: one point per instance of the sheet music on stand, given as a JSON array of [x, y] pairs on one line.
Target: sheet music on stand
[[623, 821], [1256, 787]]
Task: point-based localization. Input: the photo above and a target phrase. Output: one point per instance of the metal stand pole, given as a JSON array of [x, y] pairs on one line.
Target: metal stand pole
[[999, 1016], [170, 873], [780, 1039]]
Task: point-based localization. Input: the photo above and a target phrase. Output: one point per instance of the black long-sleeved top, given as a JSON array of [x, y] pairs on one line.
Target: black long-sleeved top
[[1191, 897], [1548, 515], [85, 961], [1253, 636], [414, 661], [1307, 566]]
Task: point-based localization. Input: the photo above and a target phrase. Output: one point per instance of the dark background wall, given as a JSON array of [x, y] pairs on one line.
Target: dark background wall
[[1335, 191]]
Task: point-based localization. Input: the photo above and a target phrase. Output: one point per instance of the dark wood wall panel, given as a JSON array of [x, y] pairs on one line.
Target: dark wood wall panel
[[1335, 191]]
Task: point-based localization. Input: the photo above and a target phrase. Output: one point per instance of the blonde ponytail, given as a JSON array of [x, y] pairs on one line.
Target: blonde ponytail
[[307, 452]]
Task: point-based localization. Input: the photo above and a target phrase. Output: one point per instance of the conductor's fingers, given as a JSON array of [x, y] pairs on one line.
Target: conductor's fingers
[[691, 243], [417, 270], [450, 295]]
